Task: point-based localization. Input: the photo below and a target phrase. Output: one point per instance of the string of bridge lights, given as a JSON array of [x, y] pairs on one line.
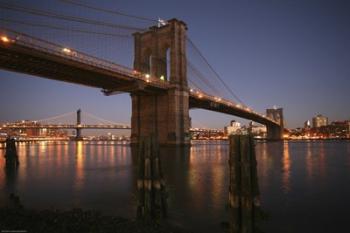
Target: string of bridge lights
[[147, 78]]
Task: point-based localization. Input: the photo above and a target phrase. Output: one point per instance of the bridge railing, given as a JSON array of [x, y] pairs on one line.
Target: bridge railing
[[11, 36]]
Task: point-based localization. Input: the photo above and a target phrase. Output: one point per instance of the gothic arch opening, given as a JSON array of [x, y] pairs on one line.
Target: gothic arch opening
[[147, 62]]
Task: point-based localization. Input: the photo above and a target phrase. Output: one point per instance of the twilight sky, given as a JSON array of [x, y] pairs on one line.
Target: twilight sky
[[293, 54]]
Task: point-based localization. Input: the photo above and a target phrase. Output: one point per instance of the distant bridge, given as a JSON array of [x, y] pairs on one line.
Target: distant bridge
[[78, 126]]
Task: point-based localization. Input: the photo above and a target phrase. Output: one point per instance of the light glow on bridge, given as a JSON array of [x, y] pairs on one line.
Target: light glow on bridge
[[66, 50], [5, 39]]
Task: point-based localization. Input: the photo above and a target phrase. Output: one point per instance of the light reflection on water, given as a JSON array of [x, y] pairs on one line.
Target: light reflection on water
[[286, 164], [303, 185]]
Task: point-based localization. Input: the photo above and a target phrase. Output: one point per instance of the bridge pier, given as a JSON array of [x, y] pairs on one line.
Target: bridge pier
[[275, 132], [164, 114], [78, 135], [160, 115]]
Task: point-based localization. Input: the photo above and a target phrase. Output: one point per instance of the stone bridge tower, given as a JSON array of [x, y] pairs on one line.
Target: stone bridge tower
[[161, 52]]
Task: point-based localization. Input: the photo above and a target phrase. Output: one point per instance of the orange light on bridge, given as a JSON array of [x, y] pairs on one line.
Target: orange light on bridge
[[5, 39], [67, 50], [147, 76]]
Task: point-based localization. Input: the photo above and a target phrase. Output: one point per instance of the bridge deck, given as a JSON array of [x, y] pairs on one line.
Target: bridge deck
[[212, 103], [26, 54]]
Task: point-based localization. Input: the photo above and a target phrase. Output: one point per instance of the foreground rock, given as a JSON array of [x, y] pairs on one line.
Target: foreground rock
[[76, 221]]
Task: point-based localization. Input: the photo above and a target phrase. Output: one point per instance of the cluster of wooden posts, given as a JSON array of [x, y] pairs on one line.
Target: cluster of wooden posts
[[152, 203], [243, 188], [11, 156]]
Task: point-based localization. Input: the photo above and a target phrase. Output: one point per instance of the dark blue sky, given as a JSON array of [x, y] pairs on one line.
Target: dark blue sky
[[293, 54]]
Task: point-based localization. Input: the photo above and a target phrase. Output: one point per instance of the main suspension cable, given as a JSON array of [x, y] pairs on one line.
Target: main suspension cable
[[50, 14], [26, 23], [109, 11]]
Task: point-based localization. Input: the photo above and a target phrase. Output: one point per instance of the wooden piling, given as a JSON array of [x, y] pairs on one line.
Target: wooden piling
[[243, 187], [152, 195], [11, 155]]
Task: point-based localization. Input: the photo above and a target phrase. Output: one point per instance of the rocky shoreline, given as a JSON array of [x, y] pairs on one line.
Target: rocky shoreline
[[76, 221]]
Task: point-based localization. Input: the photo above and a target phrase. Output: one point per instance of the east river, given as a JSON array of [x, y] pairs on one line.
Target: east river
[[304, 185]]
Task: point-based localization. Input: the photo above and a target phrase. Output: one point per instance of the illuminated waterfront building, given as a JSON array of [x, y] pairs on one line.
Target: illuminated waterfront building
[[319, 121], [233, 128]]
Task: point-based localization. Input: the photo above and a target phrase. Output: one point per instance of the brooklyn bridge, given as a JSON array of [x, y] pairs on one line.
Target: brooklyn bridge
[[158, 84]]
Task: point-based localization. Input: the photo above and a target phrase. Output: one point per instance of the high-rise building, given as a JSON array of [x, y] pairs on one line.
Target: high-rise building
[[319, 121], [307, 124]]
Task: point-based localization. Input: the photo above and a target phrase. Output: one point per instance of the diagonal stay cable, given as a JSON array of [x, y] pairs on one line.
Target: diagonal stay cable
[[55, 117], [212, 69], [104, 120]]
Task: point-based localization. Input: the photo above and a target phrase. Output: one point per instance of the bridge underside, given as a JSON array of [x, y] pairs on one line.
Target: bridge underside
[[274, 131], [23, 60], [222, 108]]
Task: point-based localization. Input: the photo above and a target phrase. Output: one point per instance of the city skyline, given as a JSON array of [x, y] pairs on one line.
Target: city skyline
[[292, 54]]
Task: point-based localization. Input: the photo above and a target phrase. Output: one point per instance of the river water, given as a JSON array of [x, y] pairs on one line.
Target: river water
[[304, 186]]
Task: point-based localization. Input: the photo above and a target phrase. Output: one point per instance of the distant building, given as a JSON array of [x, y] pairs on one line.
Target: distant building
[[337, 129], [32, 129], [233, 128], [319, 121]]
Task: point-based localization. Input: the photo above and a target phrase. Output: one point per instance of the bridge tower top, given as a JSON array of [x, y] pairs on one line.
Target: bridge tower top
[[276, 114], [157, 47], [79, 116]]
